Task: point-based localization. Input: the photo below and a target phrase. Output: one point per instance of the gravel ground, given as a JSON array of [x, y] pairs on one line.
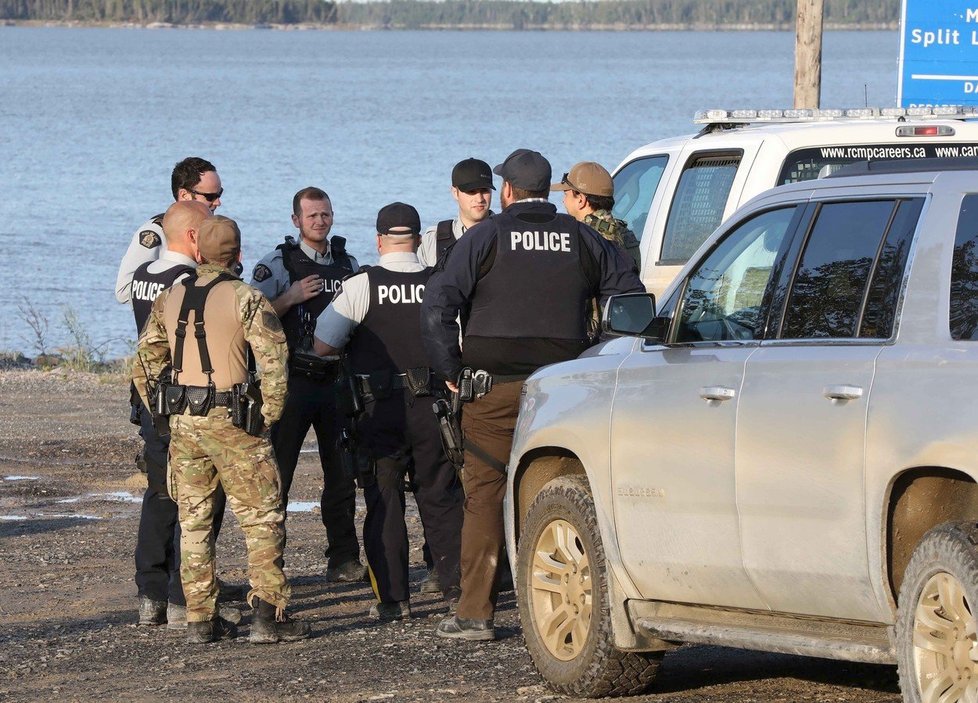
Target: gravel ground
[[68, 516]]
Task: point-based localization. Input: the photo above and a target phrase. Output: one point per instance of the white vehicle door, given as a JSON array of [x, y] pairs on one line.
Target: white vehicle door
[[673, 426], [803, 411]]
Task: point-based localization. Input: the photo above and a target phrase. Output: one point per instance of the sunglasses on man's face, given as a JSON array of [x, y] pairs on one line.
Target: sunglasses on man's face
[[209, 197]]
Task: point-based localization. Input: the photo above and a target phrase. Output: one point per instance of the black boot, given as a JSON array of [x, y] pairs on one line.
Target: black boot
[[265, 629], [209, 631]]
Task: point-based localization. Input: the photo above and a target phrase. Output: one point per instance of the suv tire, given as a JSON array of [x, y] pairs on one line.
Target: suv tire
[[937, 642], [563, 598]]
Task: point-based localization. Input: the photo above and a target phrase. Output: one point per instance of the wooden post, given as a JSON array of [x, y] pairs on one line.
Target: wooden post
[[808, 54]]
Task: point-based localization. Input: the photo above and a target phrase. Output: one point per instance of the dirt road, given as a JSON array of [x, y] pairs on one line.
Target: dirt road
[[68, 515]]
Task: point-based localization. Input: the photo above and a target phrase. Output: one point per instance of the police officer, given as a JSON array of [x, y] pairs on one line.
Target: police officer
[[207, 328], [526, 275], [376, 317], [472, 189], [193, 178], [299, 278], [589, 195], [158, 541]]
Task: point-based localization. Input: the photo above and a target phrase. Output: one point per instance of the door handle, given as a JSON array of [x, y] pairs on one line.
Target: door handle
[[842, 392], [717, 393]]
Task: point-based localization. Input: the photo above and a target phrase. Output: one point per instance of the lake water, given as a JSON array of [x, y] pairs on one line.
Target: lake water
[[92, 121]]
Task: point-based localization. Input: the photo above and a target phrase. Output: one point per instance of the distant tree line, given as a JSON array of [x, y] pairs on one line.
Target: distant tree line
[[419, 14]]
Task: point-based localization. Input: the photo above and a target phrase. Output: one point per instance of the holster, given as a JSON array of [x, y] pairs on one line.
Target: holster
[[135, 405], [450, 429], [246, 404], [381, 383], [349, 400]]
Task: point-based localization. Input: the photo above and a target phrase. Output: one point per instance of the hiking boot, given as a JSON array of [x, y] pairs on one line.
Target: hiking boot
[[151, 612], [458, 628], [430, 583], [397, 610], [231, 592], [176, 615], [349, 572], [209, 631], [265, 629]]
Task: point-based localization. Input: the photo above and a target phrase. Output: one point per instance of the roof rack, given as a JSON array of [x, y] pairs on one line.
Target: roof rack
[[862, 168], [741, 117]]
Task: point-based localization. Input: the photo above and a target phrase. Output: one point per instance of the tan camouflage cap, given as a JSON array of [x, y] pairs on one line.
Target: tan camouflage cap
[[589, 178], [219, 239]]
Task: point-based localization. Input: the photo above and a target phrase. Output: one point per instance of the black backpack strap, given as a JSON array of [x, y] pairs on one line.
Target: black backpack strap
[[444, 238], [337, 249], [194, 299]]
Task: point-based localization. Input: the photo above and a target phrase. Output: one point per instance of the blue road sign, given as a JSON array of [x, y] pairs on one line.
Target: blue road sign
[[939, 53]]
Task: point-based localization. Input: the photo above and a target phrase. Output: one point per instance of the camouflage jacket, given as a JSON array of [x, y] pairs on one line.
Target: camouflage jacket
[[615, 231], [262, 331]]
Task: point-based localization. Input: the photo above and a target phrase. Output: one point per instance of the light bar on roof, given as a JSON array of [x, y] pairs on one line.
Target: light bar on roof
[[719, 116]]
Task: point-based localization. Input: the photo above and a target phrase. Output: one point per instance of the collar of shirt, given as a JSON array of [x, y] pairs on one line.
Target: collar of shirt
[[325, 258], [178, 258], [403, 261], [531, 205]]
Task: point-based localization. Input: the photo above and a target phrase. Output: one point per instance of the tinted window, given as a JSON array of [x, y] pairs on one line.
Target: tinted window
[[635, 186], [806, 164], [828, 288], [723, 296], [697, 208], [884, 289], [964, 272]]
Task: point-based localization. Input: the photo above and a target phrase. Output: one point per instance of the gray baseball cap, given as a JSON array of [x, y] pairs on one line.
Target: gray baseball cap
[[526, 169]]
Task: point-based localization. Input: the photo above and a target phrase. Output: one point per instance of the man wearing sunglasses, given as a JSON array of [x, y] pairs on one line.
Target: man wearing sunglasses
[[193, 178]]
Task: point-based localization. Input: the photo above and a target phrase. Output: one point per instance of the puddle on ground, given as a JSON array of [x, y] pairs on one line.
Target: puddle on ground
[[21, 478], [302, 506], [47, 516]]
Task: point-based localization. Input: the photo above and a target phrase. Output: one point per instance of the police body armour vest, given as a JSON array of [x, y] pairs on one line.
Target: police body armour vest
[[146, 287], [389, 337], [537, 286], [301, 319], [444, 238]]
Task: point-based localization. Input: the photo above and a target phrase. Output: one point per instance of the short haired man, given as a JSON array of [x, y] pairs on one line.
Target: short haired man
[[589, 195], [193, 178], [472, 189], [157, 554], [375, 316], [299, 278], [231, 321], [526, 275]]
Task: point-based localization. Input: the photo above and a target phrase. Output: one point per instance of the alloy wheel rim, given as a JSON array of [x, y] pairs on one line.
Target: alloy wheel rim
[[945, 643], [560, 590]]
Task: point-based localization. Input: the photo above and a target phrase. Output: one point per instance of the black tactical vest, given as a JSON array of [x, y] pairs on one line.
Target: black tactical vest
[[537, 286], [300, 320], [147, 286], [389, 337]]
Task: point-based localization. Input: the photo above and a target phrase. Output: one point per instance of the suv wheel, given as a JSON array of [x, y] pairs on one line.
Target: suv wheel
[[563, 598], [937, 642]]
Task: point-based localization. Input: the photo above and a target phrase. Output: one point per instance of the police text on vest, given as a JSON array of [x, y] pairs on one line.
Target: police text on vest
[[400, 293], [540, 241]]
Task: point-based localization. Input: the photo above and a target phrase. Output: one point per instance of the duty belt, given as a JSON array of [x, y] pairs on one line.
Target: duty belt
[[398, 381], [221, 399]]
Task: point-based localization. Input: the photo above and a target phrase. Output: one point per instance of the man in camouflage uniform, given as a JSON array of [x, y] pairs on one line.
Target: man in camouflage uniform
[[589, 195], [206, 449]]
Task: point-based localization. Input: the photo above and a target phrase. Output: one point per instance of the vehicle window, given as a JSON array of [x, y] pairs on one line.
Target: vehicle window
[[723, 295], [884, 288], [697, 207], [964, 272], [829, 285], [635, 186], [807, 164]]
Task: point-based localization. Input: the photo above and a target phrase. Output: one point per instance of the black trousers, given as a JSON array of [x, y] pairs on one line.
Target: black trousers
[[313, 404], [395, 433], [158, 540]]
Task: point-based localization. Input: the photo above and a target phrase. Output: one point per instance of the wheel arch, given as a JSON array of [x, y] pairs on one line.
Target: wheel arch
[[535, 470], [918, 500]]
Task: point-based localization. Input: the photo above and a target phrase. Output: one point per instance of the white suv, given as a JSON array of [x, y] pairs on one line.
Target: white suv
[[782, 457], [673, 193]]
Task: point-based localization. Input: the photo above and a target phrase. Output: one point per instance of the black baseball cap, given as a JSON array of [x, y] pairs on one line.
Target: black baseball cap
[[399, 216], [472, 174], [525, 169]]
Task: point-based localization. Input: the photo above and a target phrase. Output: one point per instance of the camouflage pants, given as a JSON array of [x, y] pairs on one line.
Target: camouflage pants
[[206, 451]]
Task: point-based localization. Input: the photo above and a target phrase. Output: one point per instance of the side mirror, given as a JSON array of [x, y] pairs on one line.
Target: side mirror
[[634, 314]]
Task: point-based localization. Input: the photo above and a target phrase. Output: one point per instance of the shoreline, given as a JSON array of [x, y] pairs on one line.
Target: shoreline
[[500, 27]]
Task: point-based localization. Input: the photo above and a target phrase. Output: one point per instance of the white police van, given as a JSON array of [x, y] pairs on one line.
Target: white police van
[[674, 192]]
